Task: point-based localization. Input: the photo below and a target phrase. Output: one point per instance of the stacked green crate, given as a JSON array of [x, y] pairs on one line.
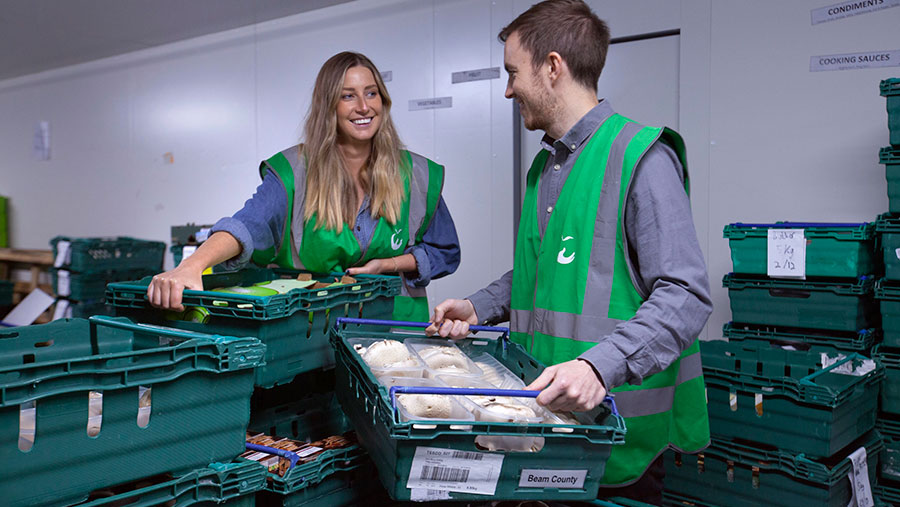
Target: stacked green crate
[[188, 235], [84, 266], [89, 404], [832, 305], [293, 324]]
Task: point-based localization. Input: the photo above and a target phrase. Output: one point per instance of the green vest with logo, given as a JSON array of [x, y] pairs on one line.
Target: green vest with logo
[[558, 315], [322, 250]]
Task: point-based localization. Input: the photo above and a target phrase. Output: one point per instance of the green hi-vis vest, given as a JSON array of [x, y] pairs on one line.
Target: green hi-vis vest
[[322, 250], [558, 315]]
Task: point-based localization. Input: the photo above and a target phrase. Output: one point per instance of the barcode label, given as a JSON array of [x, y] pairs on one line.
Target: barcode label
[[428, 495], [435, 469], [477, 456], [444, 474]]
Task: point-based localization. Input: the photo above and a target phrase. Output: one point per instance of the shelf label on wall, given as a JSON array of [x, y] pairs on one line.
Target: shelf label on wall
[[786, 253], [861, 492], [388, 75], [452, 470], [850, 8], [477, 75], [435, 103], [41, 143], [849, 61]]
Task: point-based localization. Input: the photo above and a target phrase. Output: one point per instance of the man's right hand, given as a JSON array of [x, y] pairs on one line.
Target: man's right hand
[[166, 289], [452, 318]]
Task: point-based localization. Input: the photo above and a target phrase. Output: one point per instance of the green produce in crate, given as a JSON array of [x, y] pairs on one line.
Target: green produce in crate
[[270, 288], [398, 447]]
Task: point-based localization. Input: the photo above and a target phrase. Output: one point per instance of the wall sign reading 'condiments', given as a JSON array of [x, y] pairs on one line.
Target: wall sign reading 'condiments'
[[850, 8]]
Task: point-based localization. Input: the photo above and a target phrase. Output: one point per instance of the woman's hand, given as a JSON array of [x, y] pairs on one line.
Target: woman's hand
[[373, 267], [166, 289]]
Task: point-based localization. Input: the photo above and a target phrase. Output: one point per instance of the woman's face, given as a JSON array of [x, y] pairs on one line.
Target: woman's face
[[359, 107]]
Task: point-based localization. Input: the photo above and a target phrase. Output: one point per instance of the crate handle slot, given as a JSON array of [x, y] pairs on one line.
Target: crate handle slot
[[808, 380], [790, 293], [292, 456], [475, 391]]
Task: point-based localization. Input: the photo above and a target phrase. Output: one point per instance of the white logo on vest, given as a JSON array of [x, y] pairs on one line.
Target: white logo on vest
[[562, 258], [396, 242]]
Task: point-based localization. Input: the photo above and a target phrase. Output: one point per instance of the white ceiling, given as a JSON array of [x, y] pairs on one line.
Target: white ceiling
[[37, 35]]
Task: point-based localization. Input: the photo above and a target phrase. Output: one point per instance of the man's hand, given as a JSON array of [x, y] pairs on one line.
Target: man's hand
[[452, 318], [373, 267], [574, 387]]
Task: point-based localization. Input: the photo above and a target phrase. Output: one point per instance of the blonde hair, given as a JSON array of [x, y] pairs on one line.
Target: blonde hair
[[330, 190]]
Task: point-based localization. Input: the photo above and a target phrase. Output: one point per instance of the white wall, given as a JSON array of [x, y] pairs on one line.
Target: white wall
[[767, 139]]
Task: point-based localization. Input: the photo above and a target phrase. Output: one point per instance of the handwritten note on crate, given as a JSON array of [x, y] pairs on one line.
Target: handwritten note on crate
[[786, 257]]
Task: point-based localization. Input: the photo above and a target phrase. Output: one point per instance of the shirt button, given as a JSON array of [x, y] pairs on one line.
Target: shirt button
[[573, 146], [358, 228], [556, 167], [549, 209]]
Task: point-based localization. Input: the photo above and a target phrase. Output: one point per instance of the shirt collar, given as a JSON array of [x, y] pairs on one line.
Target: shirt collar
[[581, 131]]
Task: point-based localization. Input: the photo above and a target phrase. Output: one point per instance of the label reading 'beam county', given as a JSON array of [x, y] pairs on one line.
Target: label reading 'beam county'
[[561, 479]]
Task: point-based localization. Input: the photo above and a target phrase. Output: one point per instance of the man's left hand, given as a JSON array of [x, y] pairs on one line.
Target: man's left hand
[[573, 387]]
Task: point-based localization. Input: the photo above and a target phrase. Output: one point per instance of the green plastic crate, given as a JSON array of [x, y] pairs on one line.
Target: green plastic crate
[[86, 309], [840, 305], [6, 292], [293, 326], [887, 494], [802, 339], [111, 254], [736, 474], [889, 465], [888, 296], [890, 88], [832, 250], [230, 484], [392, 444], [890, 391], [339, 477], [200, 387], [887, 227], [786, 398], [890, 157], [311, 417], [92, 285]]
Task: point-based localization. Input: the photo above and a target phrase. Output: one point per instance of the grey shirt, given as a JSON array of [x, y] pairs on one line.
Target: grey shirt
[[663, 249]]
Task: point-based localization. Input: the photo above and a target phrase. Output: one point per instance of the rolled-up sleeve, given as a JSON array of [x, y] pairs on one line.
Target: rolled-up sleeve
[[259, 224], [438, 254], [492, 303], [666, 256]]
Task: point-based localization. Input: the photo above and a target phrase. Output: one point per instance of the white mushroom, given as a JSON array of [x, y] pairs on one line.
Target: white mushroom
[[388, 354], [431, 406]]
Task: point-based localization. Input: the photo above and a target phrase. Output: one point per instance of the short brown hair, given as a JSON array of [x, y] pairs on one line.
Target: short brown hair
[[568, 27]]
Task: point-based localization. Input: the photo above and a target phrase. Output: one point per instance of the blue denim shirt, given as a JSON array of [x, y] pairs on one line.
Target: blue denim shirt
[[259, 224]]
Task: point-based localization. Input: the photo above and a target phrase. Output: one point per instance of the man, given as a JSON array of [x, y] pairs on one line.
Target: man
[[609, 286]]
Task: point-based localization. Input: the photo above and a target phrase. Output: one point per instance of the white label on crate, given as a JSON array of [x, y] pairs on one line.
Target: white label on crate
[[62, 283], [897, 253], [786, 255], [862, 367], [309, 450], [59, 311], [850, 61], [557, 479], [859, 477], [62, 253], [849, 8], [452, 470], [428, 495], [435, 103]]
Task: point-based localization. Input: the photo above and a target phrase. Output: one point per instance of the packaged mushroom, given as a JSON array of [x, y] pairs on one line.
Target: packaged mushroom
[[423, 407], [388, 358], [442, 357]]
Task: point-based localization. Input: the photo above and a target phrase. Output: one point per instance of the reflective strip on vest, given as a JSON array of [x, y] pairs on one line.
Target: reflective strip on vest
[[641, 402]]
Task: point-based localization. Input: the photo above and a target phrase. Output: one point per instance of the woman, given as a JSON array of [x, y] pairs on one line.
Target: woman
[[349, 198]]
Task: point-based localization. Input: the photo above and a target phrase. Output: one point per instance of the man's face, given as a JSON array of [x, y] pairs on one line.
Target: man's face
[[525, 86]]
